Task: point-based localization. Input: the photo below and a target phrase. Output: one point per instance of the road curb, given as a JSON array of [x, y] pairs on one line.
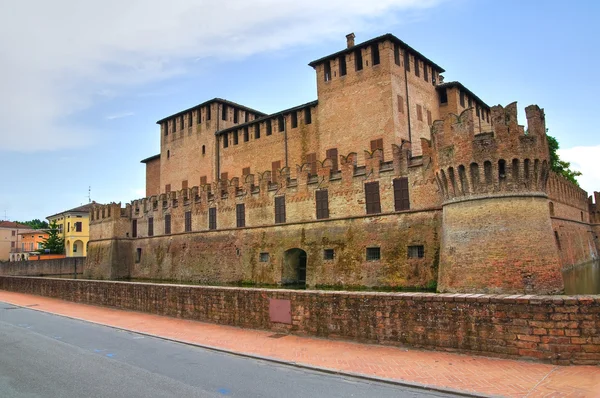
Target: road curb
[[398, 382]]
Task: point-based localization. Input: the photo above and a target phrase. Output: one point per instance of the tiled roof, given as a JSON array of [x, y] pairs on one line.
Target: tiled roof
[[81, 209], [13, 224]]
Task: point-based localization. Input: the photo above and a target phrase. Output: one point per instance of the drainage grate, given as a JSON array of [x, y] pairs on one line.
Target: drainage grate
[[277, 335]]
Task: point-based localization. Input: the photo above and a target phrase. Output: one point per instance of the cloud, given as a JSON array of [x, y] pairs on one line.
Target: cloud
[[584, 159], [119, 115], [59, 57]]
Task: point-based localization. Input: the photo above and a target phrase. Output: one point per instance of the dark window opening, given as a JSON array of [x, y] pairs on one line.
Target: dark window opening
[[246, 134], [327, 71], [342, 64], [280, 209], [551, 208], [322, 199], [167, 224], [224, 112], [406, 61], [307, 116], [134, 228], [246, 116], [333, 155], [257, 131], [487, 171], [225, 140], [168, 154], [416, 251], [501, 168], [236, 115], [373, 253], [138, 255], [417, 67], [263, 257], [151, 226], [401, 194], [269, 127], [208, 112], [78, 226], [188, 221], [443, 96], [581, 216], [190, 119], [372, 197], [199, 116], [235, 137], [166, 128], [294, 119], [462, 99], [281, 123], [358, 61], [375, 54], [328, 254], [425, 72], [470, 102], [557, 240], [396, 54], [240, 215], [212, 218], [203, 149]]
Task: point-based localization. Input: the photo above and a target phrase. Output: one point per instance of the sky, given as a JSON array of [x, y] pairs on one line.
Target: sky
[[83, 83]]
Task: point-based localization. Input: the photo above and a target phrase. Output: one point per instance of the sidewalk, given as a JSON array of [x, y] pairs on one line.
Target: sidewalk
[[439, 370]]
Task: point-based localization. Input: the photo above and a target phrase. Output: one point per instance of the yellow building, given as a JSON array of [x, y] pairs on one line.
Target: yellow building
[[74, 228]]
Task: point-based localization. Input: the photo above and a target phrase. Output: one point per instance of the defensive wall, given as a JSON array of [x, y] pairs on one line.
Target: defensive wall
[[559, 329], [66, 266]]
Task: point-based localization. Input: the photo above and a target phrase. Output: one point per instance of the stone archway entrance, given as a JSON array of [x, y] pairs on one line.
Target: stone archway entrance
[[294, 268]]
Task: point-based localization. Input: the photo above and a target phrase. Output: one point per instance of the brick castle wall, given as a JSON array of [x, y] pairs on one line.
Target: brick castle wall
[[558, 329]]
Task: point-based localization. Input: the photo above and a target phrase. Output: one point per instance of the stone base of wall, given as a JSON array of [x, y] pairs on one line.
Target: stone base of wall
[[559, 329], [65, 266]]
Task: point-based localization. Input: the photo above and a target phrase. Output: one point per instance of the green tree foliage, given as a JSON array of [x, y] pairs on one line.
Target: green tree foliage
[[560, 166], [36, 224], [54, 242]]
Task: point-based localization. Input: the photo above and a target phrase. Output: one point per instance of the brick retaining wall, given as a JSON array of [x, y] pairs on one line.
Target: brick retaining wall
[[52, 267], [558, 329]]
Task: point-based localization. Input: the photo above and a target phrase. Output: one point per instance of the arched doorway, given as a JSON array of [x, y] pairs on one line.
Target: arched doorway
[[294, 268], [78, 248]]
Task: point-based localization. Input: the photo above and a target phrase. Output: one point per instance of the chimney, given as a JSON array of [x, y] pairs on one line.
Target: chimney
[[350, 40]]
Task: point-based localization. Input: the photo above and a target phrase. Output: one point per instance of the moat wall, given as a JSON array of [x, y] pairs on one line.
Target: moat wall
[[559, 329], [55, 267]]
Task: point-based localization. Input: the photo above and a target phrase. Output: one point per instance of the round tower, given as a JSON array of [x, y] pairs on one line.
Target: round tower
[[497, 235]]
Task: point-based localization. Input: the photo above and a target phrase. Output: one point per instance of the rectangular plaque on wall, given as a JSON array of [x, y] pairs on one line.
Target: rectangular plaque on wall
[[280, 311]]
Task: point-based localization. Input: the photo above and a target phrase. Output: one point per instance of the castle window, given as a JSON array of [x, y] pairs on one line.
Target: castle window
[[235, 115], [400, 104], [501, 169], [225, 140], [322, 199], [281, 123], [372, 197], [557, 239], [429, 118], [487, 170], [307, 116], [333, 155], [204, 149], [342, 64], [203, 180], [280, 210], [477, 111], [294, 119], [275, 166], [184, 184], [581, 216], [470, 101], [406, 61], [358, 61], [311, 159], [401, 194], [167, 188], [224, 112], [551, 208], [246, 134], [167, 224], [257, 131], [375, 54], [515, 170], [212, 218], [416, 251], [328, 254], [373, 254], [443, 96], [166, 127], [269, 127], [190, 119], [425, 72], [419, 113], [417, 68], [138, 255], [188, 221], [208, 112], [168, 154], [235, 137], [396, 54], [462, 177], [462, 99], [199, 115], [240, 215], [181, 126], [263, 257], [327, 71], [150, 226], [246, 116]]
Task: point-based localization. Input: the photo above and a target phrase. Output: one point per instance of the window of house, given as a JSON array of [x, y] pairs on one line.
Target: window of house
[[372, 197], [224, 112], [358, 60], [240, 215], [14, 233], [257, 131], [246, 134], [328, 254], [311, 159], [150, 226], [419, 113], [74, 247], [275, 167], [307, 116], [138, 255], [322, 201], [269, 127], [294, 116], [417, 67], [235, 137], [417, 251], [443, 96], [281, 123], [225, 140], [280, 209], [134, 228], [375, 54], [203, 180], [327, 71], [373, 253], [188, 221], [401, 194], [462, 99], [167, 224], [78, 226], [69, 224], [263, 257], [342, 65], [400, 104], [12, 244], [333, 155], [212, 218]]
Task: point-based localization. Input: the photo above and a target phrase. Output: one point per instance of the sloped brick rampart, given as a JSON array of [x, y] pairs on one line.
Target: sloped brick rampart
[[558, 329]]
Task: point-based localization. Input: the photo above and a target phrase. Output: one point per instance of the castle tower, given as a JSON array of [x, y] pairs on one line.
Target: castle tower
[[497, 235]]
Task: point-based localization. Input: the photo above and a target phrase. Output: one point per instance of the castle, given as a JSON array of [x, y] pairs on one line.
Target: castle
[[391, 178]]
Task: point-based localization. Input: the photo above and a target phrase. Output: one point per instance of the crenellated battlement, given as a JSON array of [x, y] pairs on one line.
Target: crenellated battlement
[[564, 191], [594, 208], [506, 159]]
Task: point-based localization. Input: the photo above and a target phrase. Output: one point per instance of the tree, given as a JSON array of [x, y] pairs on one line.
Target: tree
[[36, 224], [560, 166], [54, 242]]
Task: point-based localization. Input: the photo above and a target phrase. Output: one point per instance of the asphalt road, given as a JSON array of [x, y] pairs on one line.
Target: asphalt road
[[45, 355]]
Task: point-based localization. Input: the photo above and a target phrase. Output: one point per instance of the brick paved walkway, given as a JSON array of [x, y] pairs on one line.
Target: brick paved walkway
[[471, 374]]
